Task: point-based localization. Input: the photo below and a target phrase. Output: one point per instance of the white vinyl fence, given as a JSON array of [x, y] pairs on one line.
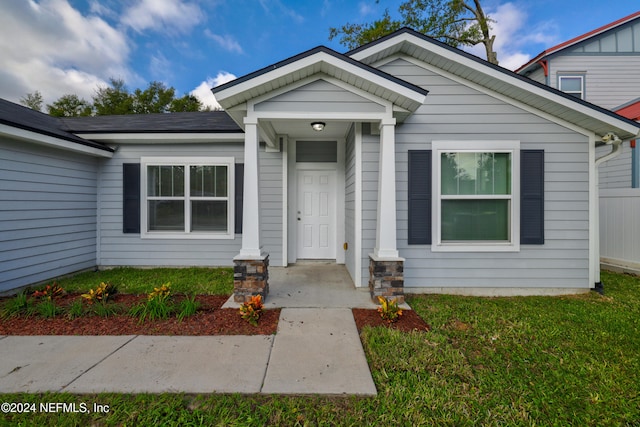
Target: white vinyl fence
[[620, 226]]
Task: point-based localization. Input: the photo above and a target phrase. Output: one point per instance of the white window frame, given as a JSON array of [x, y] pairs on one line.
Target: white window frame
[[187, 162], [439, 147], [572, 76]]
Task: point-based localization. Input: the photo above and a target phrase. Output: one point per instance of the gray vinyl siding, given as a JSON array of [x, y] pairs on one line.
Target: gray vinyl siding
[[455, 112], [47, 213], [538, 75], [624, 39], [610, 80], [119, 249], [615, 173], [319, 96], [350, 202]]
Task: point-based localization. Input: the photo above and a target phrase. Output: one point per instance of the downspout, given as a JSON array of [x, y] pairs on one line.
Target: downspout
[[616, 143]]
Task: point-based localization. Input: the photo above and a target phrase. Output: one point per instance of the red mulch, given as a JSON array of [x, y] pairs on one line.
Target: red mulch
[[408, 322], [210, 319]]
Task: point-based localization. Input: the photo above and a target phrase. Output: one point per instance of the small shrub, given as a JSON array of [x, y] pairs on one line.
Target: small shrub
[[188, 307], [105, 309], [47, 308], [157, 305], [252, 309], [101, 293], [49, 292], [75, 309], [161, 293], [389, 309], [17, 306]]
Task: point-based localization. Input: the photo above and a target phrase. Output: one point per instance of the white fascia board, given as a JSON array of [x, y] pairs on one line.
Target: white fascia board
[[382, 46], [475, 67], [51, 141], [163, 138], [326, 63]]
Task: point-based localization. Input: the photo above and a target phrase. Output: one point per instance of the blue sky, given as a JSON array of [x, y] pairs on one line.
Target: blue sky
[[74, 46]]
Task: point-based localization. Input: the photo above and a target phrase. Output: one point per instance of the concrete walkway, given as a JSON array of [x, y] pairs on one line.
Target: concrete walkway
[[316, 350]]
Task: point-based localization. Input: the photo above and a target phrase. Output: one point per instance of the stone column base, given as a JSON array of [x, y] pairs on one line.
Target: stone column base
[[386, 278], [250, 278]]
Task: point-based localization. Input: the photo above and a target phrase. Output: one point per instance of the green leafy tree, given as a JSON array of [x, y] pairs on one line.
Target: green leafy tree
[[33, 100], [186, 103], [156, 98], [70, 105], [117, 99], [114, 99], [455, 22]]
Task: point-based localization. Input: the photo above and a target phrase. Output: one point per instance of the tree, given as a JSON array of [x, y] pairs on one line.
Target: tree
[[186, 103], [156, 98], [70, 105], [455, 22], [33, 100], [114, 99]]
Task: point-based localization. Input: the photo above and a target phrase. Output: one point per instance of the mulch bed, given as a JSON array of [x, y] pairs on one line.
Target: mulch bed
[[408, 322], [210, 319]]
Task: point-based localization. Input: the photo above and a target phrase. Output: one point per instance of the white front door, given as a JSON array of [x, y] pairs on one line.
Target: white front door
[[316, 214]]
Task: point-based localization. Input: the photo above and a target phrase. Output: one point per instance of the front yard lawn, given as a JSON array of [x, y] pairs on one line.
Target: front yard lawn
[[571, 360]]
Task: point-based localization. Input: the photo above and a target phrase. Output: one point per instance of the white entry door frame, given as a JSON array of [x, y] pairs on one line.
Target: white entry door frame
[[316, 214], [335, 172]]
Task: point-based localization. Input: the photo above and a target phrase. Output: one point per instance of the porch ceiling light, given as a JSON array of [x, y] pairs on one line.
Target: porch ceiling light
[[318, 126]]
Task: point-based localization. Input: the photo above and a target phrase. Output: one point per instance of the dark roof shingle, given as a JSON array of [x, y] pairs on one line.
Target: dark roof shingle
[[25, 118], [189, 122]]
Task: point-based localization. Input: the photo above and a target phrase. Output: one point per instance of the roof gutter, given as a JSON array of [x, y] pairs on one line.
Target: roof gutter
[[616, 143], [613, 140]]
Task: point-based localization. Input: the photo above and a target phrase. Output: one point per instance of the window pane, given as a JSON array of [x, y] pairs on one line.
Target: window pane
[[208, 215], [571, 84], [165, 181], [475, 220], [166, 215], [475, 173], [501, 173], [221, 181], [317, 151], [208, 181]]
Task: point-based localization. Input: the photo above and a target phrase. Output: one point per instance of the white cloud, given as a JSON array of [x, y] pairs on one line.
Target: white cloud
[[365, 8], [160, 67], [172, 16], [513, 32], [226, 41], [281, 10], [60, 51], [203, 91]]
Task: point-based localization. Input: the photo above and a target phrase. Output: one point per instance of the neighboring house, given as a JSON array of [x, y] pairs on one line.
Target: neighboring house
[[420, 167], [602, 67]]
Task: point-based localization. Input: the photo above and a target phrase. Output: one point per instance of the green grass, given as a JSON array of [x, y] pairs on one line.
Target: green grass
[[194, 280], [534, 361]]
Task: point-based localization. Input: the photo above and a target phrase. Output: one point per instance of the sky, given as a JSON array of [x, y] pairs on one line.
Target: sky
[[63, 47]]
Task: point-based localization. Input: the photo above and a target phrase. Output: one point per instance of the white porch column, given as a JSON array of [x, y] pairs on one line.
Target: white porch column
[[386, 218], [250, 212]]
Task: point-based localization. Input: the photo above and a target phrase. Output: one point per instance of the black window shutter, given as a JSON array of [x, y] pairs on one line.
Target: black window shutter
[[131, 198], [239, 183], [532, 197], [419, 197]]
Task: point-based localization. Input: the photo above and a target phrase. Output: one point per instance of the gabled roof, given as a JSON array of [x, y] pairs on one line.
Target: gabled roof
[[473, 69], [320, 60], [17, 116], [188, 122], [630, 110], [577, 40]]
